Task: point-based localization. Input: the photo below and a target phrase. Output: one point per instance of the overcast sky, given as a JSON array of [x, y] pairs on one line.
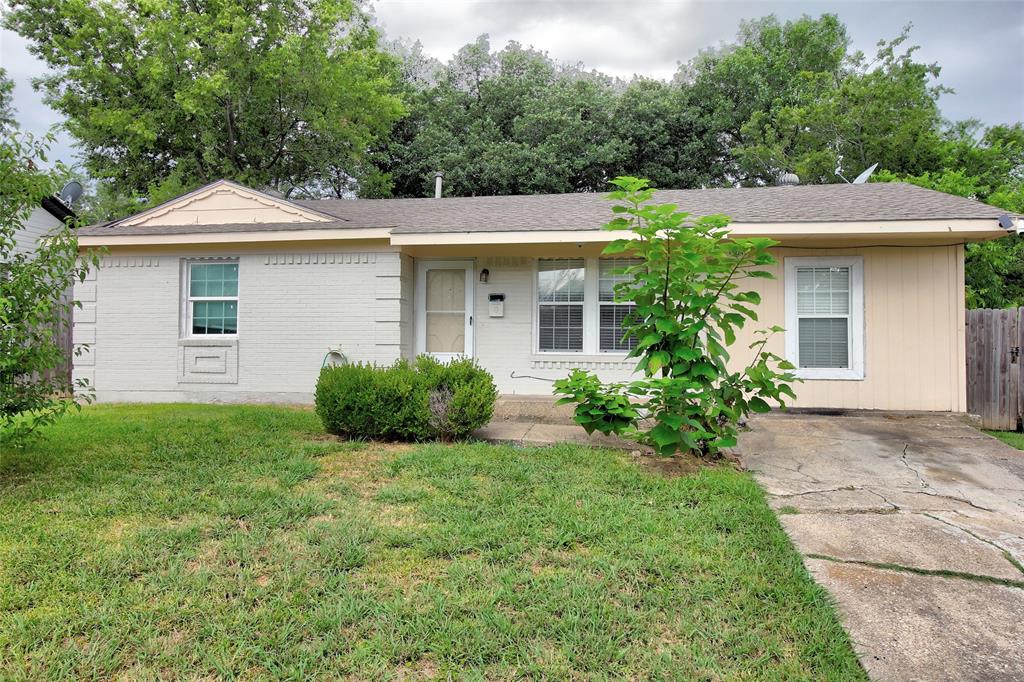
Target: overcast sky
[[980, 45]]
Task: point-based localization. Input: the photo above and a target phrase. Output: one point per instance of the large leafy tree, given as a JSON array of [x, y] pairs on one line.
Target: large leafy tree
[[772, 66], [663, 135], [282, 93], [505, 122], [7, 121], [987, 165], [883, 111]]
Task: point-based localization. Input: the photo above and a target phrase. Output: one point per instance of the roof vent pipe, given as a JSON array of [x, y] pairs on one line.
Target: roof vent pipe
[[787, 179], [438, 180]]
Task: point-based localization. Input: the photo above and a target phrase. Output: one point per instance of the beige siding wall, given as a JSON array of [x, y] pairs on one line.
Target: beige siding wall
[[913, 318], [914, 330]]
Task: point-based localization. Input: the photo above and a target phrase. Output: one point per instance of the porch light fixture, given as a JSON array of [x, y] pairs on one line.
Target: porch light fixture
[[485, 274]]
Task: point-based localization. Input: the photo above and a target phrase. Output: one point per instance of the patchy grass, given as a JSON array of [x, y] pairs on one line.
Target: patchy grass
[[194, 542], [1014, 438]]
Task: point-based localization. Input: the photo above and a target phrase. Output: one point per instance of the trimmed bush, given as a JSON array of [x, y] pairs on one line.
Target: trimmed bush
[[427, 400]]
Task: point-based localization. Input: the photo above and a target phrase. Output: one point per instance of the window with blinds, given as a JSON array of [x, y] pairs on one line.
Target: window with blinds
[[611, 313], [560, 299], [823, 316]]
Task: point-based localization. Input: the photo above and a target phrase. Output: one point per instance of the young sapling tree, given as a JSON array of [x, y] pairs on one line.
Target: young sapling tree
[[688, 303]]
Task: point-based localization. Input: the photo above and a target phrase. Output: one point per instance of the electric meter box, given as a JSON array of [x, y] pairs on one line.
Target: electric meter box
[[496, 305]]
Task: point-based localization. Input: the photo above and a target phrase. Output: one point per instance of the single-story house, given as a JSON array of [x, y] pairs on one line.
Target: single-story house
[[231, 294]]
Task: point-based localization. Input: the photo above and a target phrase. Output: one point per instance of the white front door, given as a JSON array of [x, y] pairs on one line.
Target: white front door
[[444, 308]]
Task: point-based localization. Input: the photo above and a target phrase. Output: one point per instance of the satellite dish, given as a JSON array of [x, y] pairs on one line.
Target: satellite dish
[[863, 177], [71, 193]]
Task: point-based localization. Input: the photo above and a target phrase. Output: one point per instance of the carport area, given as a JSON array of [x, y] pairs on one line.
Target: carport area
[[915, 525]]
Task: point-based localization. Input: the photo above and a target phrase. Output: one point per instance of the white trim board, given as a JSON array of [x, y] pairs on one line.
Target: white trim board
[[855, 331]]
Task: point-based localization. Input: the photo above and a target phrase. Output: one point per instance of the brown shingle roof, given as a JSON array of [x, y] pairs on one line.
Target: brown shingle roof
[[807, 203]]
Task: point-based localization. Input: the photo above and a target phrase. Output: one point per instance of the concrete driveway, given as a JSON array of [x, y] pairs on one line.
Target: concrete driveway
[[915, 524]]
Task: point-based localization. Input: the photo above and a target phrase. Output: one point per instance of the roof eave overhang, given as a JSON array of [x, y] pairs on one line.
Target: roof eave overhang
[[58, 209], [894, 232], [256, 236], [876, 232]]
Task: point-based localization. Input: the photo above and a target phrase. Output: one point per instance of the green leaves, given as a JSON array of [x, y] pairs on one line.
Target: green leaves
[[607, 409], [286, 94], [688, 308], [34, 308]]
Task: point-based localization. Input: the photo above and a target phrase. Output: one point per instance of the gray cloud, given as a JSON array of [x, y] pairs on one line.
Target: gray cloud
[[980, 45], [32, 114]]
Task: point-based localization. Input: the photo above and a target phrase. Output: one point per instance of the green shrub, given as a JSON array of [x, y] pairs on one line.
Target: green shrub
[[461, 396], [424, 401]]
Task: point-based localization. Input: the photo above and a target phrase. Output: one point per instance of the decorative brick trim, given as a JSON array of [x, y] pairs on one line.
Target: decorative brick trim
[[83, 330], [506, 261], [130, 262], [320, 258], [207, 361], [583, 363]]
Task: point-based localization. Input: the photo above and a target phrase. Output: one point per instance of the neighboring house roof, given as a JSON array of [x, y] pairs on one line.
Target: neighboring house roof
[[58, 209], [873, 202]]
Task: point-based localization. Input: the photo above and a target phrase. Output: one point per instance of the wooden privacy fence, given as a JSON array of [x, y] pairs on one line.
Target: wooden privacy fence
[[995, 369]]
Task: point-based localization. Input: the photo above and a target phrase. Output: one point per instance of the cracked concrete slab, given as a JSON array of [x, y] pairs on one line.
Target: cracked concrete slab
[[924, 492], [848, 500], [911, 540], [907, 626]]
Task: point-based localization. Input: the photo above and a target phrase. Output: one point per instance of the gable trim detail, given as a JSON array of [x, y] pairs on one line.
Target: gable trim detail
[[297, 212]]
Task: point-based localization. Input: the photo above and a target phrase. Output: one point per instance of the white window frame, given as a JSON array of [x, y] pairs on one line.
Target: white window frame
[[600, 303], [591, 312], [589, 292], [187, 299], [855, 331]]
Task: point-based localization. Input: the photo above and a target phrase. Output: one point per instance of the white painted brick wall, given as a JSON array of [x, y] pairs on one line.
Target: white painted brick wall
[[292, 308], [505, 345]]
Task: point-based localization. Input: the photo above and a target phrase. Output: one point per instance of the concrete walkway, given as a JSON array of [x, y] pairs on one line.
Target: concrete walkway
[[538, 433], [537, 420], [915, 524]]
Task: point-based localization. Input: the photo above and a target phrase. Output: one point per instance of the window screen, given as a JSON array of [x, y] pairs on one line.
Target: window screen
[[560, 304], [612, 314], [823, 316], [213, 298]]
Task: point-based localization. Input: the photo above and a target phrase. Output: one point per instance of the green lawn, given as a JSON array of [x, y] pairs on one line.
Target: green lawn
[[196, 542], [1010, 437]]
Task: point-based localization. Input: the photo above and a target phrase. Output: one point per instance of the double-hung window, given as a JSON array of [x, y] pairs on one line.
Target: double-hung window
[[825, 317], [612, 314], [560, 286], [212, 297], [576, 307]]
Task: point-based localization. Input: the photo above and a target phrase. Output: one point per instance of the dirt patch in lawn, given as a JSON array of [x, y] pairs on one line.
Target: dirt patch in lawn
[[679, 464]]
